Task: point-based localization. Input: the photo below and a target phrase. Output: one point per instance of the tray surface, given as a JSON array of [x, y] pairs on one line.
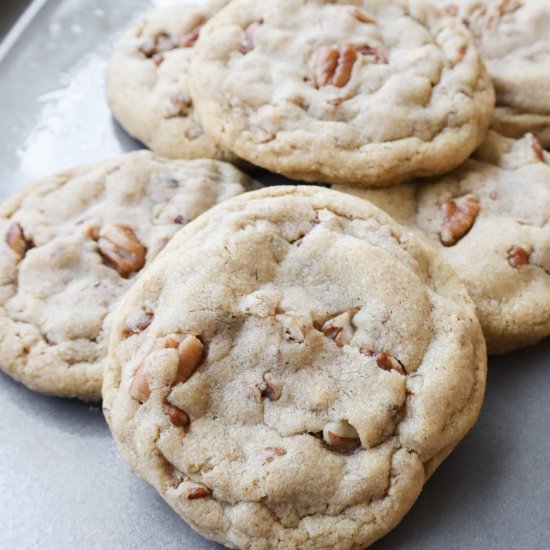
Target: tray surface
[[62, 485]]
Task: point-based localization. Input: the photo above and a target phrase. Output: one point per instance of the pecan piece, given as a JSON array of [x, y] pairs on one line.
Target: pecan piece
[[340, 328], [138, 324], [190, 39], [518, 256], [162, 42], [458, 217], [200, 491], [272, 453], [295, 327], [384, 361], [341, 436], [249, 38], [360, 15], [190, 351], [139, 388], [334, 65], [177, 416], [536, 147], [369, 51], [16, 240], [270, 388], [121, 249]]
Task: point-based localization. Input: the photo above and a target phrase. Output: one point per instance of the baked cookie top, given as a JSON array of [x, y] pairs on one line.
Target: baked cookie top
[[308, 364], [489, 219], [355, 92], [513, 38], [71, 246], [148, 82]]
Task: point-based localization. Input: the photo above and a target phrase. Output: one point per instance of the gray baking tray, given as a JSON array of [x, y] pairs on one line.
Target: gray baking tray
[[62, 485]]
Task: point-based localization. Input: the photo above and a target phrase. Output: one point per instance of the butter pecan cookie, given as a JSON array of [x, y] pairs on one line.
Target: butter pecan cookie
[[513, 38], [71, 246], [147, 82], [489, 219], [364, 92], [308, 366]]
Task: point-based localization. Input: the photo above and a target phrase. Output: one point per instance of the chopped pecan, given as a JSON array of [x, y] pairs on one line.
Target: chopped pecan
[[340, 328], [458, 217], [16, 240], [538, 151], [295, 327], [518, 256], [249, 38], [190, 39], [138, 324], [179, 104], [369, 51], [139, 388], [190, 351], [341, 436], [270, 388], [384, 361], [451, 9], [162, 42], [121, 249], [177, 416], [200, 491], [360, 15], [272, 453], [334, 65]]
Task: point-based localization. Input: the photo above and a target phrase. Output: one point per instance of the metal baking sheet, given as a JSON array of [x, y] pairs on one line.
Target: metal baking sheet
[[62, 485]]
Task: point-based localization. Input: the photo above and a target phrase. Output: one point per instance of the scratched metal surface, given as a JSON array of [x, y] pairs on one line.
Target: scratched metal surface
[[62, 485]]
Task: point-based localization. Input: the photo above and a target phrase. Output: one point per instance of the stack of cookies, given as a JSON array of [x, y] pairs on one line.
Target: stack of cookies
[[288, 365]]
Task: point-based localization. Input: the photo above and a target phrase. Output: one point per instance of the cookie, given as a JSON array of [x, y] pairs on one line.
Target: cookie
[[72, 245], [489, 219], [512, 38], [308, 365], [367, 92], [147, 82]]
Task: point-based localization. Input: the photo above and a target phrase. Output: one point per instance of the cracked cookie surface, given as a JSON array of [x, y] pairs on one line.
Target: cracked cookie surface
[[147, 82], [72, 244], [309, 365], [513, 39], [489, 219], [355, 92]]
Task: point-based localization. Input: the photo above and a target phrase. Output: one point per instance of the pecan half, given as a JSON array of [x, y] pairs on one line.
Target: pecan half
[[334, 65], [341, 436], [121, 249], [177, 416], [16, 240], [200, 491], [138, 324], [384, 361], [270, 388], [340, 328], [458, 217], [518, 256], [249, 38]]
